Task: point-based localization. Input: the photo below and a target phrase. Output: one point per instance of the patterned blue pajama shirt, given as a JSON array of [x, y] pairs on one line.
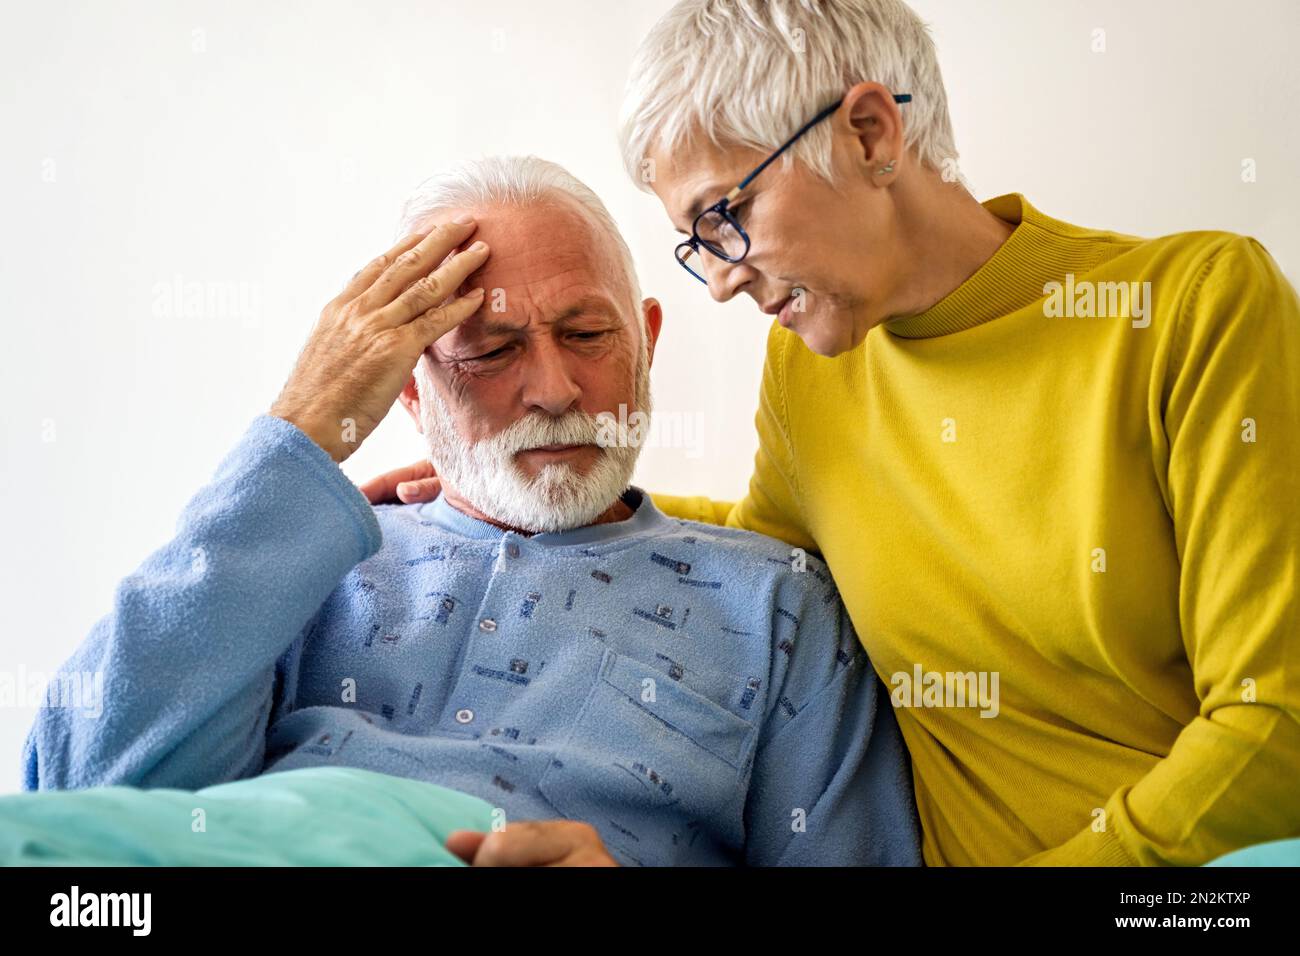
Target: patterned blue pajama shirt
[[686, 689]]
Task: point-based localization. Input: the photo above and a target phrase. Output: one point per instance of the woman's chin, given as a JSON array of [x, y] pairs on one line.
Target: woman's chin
[[827, 335]]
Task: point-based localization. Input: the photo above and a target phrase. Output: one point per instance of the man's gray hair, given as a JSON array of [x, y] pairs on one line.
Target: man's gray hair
[[516, 181], [751, 72]]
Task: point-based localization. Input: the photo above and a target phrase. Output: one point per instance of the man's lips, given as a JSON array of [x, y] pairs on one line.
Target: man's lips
[[553, 449], [772, 308]]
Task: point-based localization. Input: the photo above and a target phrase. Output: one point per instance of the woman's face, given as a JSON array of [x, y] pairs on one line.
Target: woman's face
[[833, 242]]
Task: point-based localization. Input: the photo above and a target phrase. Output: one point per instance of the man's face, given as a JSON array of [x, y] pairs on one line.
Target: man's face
[[508, 400]]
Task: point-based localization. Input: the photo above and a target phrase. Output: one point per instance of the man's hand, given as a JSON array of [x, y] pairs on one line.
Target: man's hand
[[532, 843], [411, 485], [368, 339]]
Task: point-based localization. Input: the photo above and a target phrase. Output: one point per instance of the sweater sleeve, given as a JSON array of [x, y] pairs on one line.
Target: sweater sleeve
[[1231, 411], [186, 660], [773, 505]]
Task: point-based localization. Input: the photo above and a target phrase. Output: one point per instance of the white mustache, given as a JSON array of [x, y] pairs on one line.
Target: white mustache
[[537, 429]]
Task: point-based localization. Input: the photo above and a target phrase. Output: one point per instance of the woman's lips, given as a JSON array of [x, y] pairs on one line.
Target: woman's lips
[[786, 314], [783, 310]]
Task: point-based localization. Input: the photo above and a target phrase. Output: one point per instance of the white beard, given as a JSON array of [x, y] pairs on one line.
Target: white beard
[[560, 497]]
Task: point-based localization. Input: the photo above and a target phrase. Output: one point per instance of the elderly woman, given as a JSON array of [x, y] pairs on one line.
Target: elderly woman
[[1045, 461]]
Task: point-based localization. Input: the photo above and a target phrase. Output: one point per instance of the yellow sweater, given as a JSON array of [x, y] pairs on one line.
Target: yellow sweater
[[1087, 493]]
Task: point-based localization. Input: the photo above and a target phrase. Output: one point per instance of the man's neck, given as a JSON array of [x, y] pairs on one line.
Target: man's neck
[[618, 511]]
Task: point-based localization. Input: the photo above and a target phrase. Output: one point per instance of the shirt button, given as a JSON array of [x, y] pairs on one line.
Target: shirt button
[[512, 549], [464, 715], [487, 624]]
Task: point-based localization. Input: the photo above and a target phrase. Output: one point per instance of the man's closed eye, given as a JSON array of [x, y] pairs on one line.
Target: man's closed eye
[[489, 356]]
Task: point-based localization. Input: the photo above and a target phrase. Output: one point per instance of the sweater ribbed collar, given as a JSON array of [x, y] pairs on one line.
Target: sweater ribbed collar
[[1039, 250]]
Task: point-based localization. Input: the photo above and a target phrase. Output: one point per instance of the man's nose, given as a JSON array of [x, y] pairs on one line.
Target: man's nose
[[548, 385]]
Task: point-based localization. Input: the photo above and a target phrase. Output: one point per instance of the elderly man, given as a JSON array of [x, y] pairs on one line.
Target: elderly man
[[540, 636]]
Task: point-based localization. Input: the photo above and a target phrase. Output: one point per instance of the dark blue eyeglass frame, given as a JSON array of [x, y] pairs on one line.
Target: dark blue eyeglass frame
[[721, 208]]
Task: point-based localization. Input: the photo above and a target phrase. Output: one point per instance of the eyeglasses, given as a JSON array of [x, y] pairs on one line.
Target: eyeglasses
[[718, 231]]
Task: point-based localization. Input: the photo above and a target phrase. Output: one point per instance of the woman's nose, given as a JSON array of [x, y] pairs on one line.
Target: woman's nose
[[725, 278]]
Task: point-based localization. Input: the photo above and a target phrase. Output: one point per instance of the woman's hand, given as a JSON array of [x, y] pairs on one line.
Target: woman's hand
[[532, 843], [413, 484], [368, 339]]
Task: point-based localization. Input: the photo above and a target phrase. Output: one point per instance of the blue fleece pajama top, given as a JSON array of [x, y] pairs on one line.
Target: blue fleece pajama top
[[686, 689]]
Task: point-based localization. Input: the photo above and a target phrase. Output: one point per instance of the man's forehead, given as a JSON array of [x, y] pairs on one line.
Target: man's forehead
[[535, 265], [537, 243], [526, 309], [548, 263]]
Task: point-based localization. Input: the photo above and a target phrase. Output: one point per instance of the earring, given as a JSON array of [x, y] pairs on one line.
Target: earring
[[889, 168]]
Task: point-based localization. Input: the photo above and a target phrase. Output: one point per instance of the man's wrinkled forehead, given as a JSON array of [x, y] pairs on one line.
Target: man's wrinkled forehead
[[547, 262]]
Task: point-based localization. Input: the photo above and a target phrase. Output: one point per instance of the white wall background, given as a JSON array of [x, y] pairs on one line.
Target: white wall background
[[262, 149]]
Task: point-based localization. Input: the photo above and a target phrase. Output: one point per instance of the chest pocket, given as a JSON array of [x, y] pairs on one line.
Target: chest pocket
[[653, 765]]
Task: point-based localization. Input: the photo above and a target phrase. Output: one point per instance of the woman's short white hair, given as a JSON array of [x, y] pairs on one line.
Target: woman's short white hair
[[751, 72], [515, 181]]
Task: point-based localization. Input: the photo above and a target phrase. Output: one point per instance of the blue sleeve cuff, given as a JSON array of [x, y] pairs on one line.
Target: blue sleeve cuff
[[269, 435]]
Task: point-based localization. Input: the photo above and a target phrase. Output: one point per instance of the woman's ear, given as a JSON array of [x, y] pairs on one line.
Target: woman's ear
[[871, 120]]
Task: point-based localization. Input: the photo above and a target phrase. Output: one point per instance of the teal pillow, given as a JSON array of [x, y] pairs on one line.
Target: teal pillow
[[1275, 853], [317, 816]]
